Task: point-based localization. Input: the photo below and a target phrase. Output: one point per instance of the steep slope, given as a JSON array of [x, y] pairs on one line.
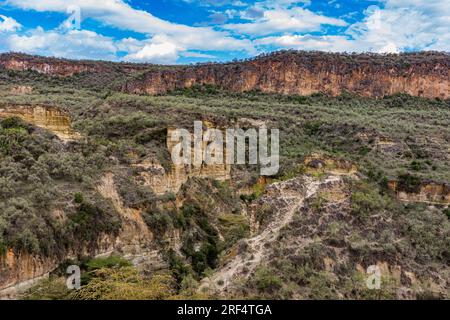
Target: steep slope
[[303, 73], [288, 197], [62, 67], [286, 72]]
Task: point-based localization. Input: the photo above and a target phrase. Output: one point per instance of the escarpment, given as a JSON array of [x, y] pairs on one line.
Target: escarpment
[[300, 73], [311, 231], [62, 67], [287, 72]]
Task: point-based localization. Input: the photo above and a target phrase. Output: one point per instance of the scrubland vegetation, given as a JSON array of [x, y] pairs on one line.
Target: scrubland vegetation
[[398, 137]]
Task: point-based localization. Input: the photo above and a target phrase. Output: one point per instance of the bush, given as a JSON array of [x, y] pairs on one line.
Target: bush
[[78, 198], [89, 221], [447, 212], [409, 183], [366, 200], [108, 262], [158, 221], [233, 227], [267, 281]]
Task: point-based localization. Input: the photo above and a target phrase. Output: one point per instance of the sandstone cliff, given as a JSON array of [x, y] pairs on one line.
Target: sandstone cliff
[[288, 72], [62, 67], [421, 74], [46, 117]]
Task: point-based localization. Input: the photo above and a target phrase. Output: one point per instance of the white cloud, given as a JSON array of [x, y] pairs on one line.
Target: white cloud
[[404, 25], [8, 24], [278, 20], [76, 44], [119, 14], [163, 53], [309, 42], [400, 25]]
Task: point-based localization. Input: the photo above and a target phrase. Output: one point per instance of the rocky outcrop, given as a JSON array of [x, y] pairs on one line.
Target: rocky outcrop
[[48, 118], [19, 271], [428, 192], [303, 73], [288, 72], [317, 163], [21, 90], [162, 181], [61, 67]]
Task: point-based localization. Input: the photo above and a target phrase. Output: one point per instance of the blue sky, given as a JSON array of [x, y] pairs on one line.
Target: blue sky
[[189, 31]]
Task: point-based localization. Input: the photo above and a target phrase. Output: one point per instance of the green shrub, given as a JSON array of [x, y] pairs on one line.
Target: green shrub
[[179, 269], [416, 166], [158, 221], [78, 198], [233, 227], [267, 281], [447, 212], [12, 123], [366, 200], [89, 221], [108, 262], [312, 128], [409, 183]]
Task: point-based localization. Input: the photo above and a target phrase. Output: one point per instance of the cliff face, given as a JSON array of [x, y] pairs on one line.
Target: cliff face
[[62, 67], [49, 68], [428, 192], [302, 73], [425, 75], [45, 117], [162, 181]]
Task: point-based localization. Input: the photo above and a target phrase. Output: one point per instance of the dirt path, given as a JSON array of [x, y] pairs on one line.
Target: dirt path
[[287, 198]]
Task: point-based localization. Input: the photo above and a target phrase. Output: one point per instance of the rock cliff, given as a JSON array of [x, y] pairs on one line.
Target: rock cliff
[[288, 72], [61, 67], [422, 74]]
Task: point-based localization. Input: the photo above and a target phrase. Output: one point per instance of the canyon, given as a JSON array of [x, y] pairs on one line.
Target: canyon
[[91, 146]]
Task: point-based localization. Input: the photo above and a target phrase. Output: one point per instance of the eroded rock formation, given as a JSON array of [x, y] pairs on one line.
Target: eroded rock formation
[[428, 192], [162, 181], [421, 74], [304, 73], [48, 118], [61, 67]]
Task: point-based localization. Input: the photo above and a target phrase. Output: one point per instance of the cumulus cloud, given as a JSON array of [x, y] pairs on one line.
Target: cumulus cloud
[[285, 20], [164, 53], [396, 25], [8, 24], [121, 15], [281, 16], [399, 25], [76, 44]]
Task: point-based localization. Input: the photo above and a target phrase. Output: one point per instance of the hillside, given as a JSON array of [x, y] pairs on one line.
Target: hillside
[[87, 179], [286, 72]]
